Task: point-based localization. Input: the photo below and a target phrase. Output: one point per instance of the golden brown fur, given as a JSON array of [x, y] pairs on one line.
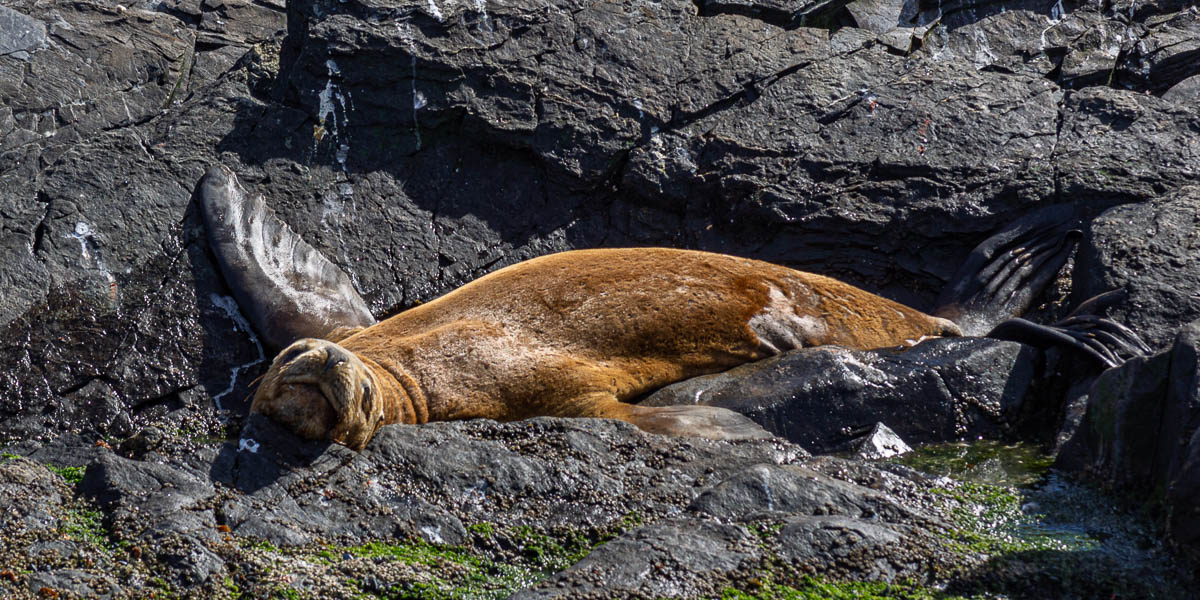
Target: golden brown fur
[[574, 334]]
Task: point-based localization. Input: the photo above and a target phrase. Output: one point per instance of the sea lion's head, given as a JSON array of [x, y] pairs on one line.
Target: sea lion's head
[[321, 391]]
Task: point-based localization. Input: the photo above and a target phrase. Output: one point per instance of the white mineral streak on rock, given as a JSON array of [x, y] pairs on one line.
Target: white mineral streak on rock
[[434, 11], [333, 100], [91, 258], [229, 305], [1056, 15], [764, 481], [433, 534], [83, 233], [418, 99]]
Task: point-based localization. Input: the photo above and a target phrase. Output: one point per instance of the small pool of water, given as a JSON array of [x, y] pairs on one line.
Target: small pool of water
[[1046, 535], [984, 461]]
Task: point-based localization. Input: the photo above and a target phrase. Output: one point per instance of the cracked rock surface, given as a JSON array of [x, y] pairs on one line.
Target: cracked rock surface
[[421, 144]]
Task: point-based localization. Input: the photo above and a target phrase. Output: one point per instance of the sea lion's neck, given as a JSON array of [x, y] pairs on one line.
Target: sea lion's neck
[[403, 401]]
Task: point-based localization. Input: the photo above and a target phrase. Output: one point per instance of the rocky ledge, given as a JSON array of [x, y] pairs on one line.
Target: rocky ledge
[[422, 144], [566, 508]]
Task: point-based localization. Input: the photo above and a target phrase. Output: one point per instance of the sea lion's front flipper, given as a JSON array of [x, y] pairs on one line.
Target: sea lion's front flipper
[[710, 422], [1006, 273], [287, 289]]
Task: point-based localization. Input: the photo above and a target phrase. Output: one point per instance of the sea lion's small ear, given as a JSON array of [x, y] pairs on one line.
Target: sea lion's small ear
[[287, 289]]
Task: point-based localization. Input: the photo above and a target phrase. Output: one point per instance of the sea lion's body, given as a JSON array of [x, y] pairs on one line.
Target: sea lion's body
[[577, 333]]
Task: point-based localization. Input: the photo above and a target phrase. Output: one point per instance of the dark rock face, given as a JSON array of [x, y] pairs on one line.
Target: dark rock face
[[1123, 422], [1149, 249], [1165, 54], [421, 144], [1140, 433], [1179, 445], [822, 398], [67, 78]]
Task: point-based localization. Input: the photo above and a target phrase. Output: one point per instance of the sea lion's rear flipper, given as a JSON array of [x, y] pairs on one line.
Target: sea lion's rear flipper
[[287, 289], [1105, 341], [709, 422], [1008, 271]]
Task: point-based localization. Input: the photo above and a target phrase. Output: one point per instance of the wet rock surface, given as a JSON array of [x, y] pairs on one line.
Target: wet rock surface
[[420, 145]]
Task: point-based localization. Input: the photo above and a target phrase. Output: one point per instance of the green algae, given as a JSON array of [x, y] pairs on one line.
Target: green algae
[[813, 588], [991, 519], [984, 461], [456, 572], [496, 562], [85, 525], [476, 575], [73, 475]]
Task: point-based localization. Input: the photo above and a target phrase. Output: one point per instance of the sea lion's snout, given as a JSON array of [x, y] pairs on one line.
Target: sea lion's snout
[[320, 391]]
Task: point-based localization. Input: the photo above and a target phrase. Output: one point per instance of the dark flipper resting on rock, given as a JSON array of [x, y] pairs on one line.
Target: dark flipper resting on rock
[[287, 289], [1107, 342], [1002, 276]]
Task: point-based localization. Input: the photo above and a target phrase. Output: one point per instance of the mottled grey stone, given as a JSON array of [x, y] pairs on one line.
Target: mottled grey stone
[[880, 442], [795, 490], [668, 559], [77, 583], [19, 33], [30, 496], [1184, 92]]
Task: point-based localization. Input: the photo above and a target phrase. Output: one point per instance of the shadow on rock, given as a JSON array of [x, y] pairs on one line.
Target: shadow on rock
[[264, 453], [408, 228], [1067, 574]]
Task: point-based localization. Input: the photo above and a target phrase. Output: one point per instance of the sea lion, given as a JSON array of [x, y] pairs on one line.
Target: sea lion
[[287, 288], [574, 334]]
